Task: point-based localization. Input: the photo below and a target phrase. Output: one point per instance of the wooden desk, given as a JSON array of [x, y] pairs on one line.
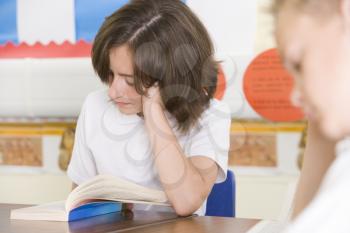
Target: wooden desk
[[139, 221]]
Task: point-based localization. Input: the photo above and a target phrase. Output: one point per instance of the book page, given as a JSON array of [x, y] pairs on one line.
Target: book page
[[54, 211], [106, 187]]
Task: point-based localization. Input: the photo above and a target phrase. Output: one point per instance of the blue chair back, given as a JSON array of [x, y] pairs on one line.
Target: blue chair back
[[222, 198]]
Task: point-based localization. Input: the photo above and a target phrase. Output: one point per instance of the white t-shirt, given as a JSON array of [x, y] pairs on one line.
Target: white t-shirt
[[109, 142], [329, 211]]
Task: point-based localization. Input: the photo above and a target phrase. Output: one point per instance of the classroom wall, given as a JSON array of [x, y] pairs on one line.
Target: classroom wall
[[46, 87], [45, 90]]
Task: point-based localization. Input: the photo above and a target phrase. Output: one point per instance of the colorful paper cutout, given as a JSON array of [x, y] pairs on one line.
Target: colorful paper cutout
[[52, 50], [267, 86]]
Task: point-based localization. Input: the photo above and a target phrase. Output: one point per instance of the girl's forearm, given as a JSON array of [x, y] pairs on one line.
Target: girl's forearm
[[181, 181]]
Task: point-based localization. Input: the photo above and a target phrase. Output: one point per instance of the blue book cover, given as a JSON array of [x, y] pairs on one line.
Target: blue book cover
[[92, 209]]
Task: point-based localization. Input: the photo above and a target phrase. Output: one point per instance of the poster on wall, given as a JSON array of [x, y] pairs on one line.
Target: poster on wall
[[253, 149], [21, 151], [268, 87], [31, 148]]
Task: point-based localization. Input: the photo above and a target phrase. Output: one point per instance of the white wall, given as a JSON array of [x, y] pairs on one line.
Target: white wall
[[45, 87], [56, 87]]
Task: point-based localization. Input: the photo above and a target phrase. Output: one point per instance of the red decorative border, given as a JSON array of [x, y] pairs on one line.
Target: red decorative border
[[51, 50], [67, 49]]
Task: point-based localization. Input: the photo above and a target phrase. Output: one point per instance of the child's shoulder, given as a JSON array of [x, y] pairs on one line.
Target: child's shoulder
[[219, 104], [217, 108], [96, 103], [218, 112]]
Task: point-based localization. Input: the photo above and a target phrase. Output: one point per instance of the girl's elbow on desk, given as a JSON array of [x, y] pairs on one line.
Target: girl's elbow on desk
[[185, 209], [189, 198], [187, 205]]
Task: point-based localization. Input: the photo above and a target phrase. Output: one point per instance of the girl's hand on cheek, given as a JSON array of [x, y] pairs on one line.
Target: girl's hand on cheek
[[152, 99]]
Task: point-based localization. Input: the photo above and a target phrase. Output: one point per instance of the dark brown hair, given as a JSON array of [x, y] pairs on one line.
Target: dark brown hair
[[170, 46]]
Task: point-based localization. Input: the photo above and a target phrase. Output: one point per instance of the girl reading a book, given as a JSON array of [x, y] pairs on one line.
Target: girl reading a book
[[314, 41], [157, 124]]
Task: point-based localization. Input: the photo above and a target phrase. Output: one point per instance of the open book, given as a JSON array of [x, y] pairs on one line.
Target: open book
[[101, 195]]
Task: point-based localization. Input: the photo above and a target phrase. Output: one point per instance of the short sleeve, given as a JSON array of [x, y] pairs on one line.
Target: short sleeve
[[82, 165], [211, 138]]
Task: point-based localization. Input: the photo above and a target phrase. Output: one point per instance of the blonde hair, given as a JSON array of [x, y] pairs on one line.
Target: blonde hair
[[318, 7]]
